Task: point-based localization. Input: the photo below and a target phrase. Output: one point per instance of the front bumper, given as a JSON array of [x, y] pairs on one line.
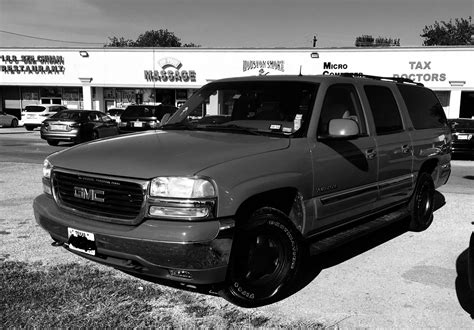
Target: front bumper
[[186, 252]]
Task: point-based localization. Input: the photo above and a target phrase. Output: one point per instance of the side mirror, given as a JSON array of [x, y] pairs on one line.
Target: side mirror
[[343, 128]]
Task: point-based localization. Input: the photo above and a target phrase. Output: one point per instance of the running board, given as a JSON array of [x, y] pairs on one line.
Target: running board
[[329, 241]]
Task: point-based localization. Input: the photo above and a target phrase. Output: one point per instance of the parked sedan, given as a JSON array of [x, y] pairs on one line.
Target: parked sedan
[[77, 126], [7, 120], [463, 136], [143, 117]]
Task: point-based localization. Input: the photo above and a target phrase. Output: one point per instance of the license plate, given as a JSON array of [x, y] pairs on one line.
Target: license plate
[[464, 136], [81, 241], [58, 127], [137, 124], [31, 116]]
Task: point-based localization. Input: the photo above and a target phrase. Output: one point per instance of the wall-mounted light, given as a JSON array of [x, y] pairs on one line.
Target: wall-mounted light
[[85, 80], [458, 83], [83, 53], [315, 55]]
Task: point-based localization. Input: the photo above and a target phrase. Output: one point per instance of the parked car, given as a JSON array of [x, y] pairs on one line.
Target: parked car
[[463, 136], [7, 120], [232, 208], [137, 118], [115, 113], [77, 126], [33, 115]]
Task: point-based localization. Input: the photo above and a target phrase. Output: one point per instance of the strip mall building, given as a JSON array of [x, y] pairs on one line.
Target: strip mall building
[[115, 77]]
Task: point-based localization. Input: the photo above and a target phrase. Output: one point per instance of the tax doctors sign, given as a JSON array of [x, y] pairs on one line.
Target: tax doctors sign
[[432, 67]]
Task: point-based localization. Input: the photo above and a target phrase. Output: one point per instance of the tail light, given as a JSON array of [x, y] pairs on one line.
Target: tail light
[[152, 124], [75, 125]]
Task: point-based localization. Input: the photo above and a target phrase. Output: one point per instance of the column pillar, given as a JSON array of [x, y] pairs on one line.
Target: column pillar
[[86, 93]]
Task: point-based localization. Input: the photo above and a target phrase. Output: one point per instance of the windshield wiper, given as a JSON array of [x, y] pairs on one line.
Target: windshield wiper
[[233, 128], [178, 126]]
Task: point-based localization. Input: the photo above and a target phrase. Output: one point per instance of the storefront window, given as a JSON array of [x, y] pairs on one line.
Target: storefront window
[[30, 94], [72, 97], [467, 105], [50, 92]]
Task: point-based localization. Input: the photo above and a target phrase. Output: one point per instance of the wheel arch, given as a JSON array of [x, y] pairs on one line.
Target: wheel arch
[[287, 200]]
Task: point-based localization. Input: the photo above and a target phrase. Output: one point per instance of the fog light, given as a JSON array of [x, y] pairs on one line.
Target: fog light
[[47, 189], [179, 212]]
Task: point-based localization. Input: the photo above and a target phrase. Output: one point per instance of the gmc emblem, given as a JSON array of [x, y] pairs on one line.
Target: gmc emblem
[[89, 194]]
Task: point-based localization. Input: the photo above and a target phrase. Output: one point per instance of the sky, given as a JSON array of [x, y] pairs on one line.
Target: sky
[[223, 23]]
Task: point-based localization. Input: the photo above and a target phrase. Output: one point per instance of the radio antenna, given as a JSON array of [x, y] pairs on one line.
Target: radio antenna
[[300, 71]]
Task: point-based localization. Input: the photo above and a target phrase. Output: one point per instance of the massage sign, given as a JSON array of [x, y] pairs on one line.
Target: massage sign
[[32, 64], [171, 71]]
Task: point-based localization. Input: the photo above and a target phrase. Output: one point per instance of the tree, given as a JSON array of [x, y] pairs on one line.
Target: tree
[[442, 33], [152, 38], [369, 41]]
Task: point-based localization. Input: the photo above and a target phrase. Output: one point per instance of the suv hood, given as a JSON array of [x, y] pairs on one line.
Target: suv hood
[[163, 153]]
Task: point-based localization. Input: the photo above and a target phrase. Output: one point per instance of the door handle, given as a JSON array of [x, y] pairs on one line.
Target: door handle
[[370, 153], [405, 148]]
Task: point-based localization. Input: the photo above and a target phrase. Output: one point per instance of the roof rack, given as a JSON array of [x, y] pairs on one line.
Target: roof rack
[[396, 79]]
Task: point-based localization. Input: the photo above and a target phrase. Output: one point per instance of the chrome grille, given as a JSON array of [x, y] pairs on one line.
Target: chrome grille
[[120, 200]]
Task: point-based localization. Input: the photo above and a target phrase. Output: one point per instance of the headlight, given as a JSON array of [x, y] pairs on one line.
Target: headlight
[[182, 187], [182, 198], [47, 167]]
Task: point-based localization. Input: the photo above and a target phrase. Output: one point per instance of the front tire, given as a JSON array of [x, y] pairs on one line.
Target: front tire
[[29, 128], [266, 255], [14, 123], [421, 205]]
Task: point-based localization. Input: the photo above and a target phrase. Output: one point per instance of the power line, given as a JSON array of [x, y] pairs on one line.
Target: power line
[[55, 40]]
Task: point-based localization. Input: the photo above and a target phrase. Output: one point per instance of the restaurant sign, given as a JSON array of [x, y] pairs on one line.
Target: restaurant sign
[[32, 64]]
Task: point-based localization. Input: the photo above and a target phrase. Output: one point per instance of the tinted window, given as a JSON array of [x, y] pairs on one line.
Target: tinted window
[[341, 102], [423, 107], [384, 109], [141, 111], [34, 108], [67, 115]]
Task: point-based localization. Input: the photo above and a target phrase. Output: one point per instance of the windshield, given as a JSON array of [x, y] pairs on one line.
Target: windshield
[[115, 112], [34, 108], [272, 107], [142, 111], [68, 115]]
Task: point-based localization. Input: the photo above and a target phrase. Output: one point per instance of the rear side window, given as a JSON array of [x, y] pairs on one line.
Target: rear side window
[[140, 111], [423, 107], [385, 110], [34, 108]]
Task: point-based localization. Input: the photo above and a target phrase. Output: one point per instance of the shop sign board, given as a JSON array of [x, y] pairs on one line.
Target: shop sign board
[[32, 64]]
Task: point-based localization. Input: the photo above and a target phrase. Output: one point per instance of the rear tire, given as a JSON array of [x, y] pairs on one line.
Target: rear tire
[[52, 142], [267, 254], [421, 205], [29, 128], [14, 123]]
